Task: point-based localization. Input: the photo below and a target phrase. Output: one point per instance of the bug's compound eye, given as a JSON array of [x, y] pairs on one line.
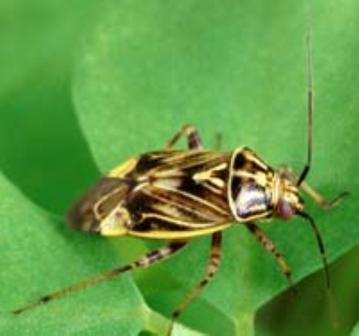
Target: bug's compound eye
[[285, 209]]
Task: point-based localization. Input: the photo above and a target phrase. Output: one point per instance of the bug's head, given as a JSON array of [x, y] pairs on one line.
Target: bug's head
[[287, 201]]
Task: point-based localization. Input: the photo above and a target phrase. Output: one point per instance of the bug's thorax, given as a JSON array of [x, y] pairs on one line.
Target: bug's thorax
[[256, 191]]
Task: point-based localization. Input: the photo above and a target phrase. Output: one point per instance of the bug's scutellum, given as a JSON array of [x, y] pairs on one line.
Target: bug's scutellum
[[181, 194]]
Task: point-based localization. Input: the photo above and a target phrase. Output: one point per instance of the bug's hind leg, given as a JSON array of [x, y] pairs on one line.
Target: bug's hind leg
[[212, 267], [193, 138], [270, 247], [143, 262]]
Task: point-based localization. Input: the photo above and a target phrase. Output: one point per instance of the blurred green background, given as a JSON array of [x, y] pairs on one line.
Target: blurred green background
[[84, 85]]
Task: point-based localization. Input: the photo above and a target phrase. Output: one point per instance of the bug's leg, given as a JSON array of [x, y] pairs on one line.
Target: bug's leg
[[270, 247], [193, 138], [143, 262], [326, 204], [212, 267]]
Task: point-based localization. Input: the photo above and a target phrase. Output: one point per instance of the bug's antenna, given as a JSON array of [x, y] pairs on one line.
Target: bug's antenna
[[306, 168], [320, 245]]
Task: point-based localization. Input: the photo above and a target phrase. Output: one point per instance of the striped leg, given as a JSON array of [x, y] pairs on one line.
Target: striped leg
[[212, 267], [193, 138], [270, 247], [143, 262]]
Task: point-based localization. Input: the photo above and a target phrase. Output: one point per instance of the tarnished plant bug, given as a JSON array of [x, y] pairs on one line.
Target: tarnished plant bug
[[177, 195]]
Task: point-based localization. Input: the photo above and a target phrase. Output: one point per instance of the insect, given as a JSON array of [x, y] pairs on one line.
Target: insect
[[178, 195]]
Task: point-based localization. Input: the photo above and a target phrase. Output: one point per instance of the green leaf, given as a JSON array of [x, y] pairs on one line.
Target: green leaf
[[40, 142], [240, 69], [355, 331], [147, 68], [308, 313], [39, 255]]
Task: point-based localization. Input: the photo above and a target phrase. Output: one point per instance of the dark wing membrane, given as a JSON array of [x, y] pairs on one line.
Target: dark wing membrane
[[97, 203]]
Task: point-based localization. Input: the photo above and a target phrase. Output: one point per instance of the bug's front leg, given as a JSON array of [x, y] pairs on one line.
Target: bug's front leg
[[270, 247], [145, 261], [212, 268], [326, 204], [193, 138]]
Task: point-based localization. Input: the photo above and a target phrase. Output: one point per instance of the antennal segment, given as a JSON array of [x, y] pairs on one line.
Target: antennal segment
[[306, 168]]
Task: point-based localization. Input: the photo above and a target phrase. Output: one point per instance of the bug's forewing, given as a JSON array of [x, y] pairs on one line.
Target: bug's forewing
[[87, 213], [155, 208], [184, 191]]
